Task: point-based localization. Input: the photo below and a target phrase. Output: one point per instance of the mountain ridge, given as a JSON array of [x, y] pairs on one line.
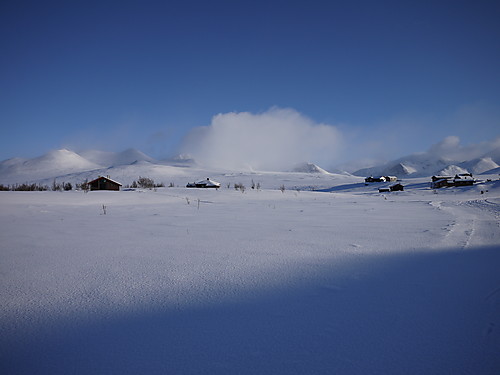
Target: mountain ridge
[[428, 164]]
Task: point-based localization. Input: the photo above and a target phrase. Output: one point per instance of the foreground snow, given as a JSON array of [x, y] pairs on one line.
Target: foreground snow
[[190, 281]]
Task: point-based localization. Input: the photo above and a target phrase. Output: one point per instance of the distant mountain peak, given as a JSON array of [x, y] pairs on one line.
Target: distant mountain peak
[[309, 168]]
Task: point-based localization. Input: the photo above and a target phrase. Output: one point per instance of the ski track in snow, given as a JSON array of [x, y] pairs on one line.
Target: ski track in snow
[[184, 281], [468, 218]]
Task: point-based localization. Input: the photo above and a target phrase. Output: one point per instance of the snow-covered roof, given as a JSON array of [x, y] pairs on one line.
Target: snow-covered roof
[[208, 182]]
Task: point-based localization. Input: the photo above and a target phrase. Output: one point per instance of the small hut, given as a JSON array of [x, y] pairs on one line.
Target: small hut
[[104, 183]]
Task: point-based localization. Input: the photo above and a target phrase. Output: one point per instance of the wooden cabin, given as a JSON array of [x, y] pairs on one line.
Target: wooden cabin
[[104, 183]]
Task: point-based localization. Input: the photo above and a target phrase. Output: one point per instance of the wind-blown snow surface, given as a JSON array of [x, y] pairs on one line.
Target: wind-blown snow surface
[[188, 281]]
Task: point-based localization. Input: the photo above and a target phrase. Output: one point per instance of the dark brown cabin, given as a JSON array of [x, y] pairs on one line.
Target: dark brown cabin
[[104, 183]]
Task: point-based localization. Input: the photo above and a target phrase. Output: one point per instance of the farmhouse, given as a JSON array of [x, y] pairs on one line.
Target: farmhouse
[[205, 184], [464, 179], [104, 183]]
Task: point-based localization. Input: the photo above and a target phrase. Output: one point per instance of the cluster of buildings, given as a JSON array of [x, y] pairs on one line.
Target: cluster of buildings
[[381, 179], [395, 187], [463, 179]]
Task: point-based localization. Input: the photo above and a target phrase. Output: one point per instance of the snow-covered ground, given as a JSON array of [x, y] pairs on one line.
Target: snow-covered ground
[[191, 281]]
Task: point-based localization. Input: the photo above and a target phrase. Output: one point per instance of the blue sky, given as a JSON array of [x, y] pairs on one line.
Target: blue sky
[[119, 74]]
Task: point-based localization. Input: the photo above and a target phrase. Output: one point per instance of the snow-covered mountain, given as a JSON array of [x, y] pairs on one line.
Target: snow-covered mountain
[[480, 165], [416, 165], [128, 165], [309, 168], [428, 164]]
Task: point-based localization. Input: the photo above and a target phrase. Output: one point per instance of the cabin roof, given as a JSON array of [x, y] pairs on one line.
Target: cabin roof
[[106, 178]]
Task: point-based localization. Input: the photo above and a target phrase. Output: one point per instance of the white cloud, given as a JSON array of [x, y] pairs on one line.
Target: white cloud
[[273, 140], [451, 149]]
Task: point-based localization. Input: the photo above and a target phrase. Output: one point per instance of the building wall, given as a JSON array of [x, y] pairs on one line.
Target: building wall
[[103, 184]]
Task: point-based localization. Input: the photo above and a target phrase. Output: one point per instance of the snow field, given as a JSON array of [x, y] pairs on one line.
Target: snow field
[[260, 282]]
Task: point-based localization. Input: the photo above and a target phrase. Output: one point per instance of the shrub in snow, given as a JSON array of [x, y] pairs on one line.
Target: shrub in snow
[[56, 186], [84, 186], [145, 182], [25, 187]]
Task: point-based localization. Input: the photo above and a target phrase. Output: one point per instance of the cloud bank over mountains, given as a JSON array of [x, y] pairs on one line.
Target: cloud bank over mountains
[[451, 149], [279, 139], [271, 140]]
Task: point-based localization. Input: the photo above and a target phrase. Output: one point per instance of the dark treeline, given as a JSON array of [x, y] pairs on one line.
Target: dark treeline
[[145, 183], [37, 187]]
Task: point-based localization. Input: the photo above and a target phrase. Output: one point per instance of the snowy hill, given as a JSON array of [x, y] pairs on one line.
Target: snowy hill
[[52, 164]]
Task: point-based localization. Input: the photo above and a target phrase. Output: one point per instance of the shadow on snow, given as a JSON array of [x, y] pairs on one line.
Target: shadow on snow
[[419, 313]]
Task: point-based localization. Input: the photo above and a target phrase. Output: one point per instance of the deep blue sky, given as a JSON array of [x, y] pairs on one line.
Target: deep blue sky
[[118, 74]]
